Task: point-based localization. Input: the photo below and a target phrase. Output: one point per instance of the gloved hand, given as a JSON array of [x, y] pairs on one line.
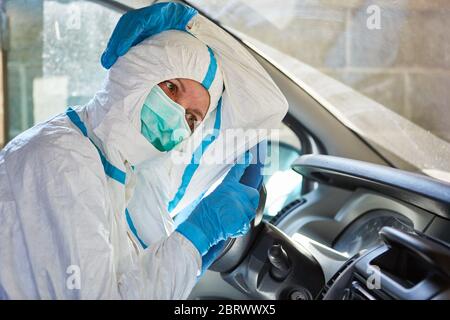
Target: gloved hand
[[137, 25], [211, 256], [226, 212]]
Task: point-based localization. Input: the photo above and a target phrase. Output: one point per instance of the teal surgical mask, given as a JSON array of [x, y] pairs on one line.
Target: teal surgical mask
[[163, 121]]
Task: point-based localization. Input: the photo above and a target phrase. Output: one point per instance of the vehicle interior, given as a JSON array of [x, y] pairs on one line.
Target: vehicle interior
[[349, 212]]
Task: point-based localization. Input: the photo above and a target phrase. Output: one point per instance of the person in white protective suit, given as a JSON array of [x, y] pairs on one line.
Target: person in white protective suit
[[87, 198]]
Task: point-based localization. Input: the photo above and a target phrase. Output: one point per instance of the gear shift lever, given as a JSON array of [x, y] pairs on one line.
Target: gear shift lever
[[280, 266]]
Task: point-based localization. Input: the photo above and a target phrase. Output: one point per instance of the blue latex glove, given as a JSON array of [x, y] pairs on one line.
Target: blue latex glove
[[211, 256], [137, 25], [226, 212]]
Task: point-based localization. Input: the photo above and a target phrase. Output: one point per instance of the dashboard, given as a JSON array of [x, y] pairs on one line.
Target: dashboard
[[363, 222], [363, 233]]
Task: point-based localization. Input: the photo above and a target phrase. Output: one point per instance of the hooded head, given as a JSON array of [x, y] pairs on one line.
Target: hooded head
[[114, 113]]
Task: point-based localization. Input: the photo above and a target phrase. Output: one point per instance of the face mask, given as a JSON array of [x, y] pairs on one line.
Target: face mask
[[163, 121]]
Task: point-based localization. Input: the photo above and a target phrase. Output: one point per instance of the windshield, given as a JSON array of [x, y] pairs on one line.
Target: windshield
[[381, 67]]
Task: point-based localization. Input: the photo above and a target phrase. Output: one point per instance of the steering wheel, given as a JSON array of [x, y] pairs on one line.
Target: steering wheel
[[234, 249]]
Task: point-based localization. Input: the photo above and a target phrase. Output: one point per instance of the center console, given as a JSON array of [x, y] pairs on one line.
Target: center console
[[408, 266]]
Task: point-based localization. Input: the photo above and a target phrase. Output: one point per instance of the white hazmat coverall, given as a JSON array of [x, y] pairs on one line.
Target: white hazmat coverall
[[65, 184]]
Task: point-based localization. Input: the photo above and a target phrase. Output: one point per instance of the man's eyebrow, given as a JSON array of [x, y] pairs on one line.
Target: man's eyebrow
[[181, 85]]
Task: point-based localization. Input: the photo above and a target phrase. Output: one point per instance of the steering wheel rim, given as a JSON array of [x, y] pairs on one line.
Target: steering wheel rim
[[234, 249], [220, 256]]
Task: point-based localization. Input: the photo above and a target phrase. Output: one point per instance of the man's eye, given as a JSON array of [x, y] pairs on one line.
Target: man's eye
[[170, 86]]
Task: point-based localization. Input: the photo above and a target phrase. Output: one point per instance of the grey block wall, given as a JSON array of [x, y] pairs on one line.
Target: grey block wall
[[404, 65]]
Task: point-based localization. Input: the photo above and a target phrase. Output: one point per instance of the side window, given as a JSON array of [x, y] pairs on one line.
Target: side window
[[53, 57], [283, 185]]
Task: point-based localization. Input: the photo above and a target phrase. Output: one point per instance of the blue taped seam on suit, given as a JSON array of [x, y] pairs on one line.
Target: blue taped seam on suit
[[110, 170], [195, 160], [73, 116], [133, 229], [198, 153], [211, 73], [190, 170]]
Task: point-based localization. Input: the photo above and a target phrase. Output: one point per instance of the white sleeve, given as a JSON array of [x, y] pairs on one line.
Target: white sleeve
[[62, 236], [61, 243], [253, 99], [168, 269]]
